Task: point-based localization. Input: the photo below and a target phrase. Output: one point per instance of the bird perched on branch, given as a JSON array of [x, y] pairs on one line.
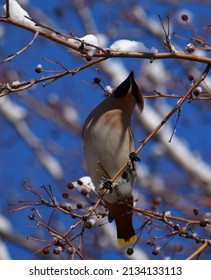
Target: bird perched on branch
[[108, 145]]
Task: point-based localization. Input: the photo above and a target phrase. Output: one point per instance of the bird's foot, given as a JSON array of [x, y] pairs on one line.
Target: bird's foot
[[133, 157], [107, 184]]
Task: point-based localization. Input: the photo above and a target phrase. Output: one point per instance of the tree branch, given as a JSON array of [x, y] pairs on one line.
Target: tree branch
[[199, 250], [8, 89], [58, 38], [10, 57]]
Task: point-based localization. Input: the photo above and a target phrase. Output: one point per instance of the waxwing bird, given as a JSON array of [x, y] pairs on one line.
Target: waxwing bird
[[108, 145]]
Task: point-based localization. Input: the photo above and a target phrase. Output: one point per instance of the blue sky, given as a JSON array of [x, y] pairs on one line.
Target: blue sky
[[19, 163]]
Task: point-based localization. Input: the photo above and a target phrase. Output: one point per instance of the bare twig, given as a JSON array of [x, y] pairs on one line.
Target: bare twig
[[10, 57], [170, 217], [202, 97], [167, 41], [199, 250], [175, 126], [58, 234], [8, 89]]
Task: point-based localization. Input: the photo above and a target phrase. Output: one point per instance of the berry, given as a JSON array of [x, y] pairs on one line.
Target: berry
[[184, 17], [130, 251]]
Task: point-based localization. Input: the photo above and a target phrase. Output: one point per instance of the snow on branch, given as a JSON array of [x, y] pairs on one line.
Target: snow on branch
[[88, 43], [131, 46], [18, 13]]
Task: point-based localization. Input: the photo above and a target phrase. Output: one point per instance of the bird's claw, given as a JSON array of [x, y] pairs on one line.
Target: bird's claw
[[107, 184], [134, 157]]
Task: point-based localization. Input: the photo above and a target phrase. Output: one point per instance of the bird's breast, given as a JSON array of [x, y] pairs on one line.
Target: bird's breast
[[107, 142]]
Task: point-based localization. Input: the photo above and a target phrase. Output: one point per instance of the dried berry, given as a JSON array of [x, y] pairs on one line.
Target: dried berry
[[96, 80], [176, 227], [38, 68], [65, 195], [196, 211], [155, 252], [46, 250], [156, 200], [84, 191], [184, 17], [130, 251], [56, 251], [70, 250], [197, 91], [190, 77], [66, 207], [31, 217], [190, 48], [88, 57], [80, 183], [79, 205], [204, 223], [70, 186]]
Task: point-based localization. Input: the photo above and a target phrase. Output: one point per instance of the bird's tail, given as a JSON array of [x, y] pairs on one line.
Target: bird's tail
[[122, 213]]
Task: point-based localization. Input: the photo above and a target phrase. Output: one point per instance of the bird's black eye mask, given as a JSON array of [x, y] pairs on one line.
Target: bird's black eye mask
[[129, 85], [125, 86]]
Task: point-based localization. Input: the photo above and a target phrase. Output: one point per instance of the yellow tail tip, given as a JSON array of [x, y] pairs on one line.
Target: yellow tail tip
[[124, 242]]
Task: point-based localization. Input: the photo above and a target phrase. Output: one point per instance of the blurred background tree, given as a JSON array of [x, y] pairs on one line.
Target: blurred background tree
[[49, 84]]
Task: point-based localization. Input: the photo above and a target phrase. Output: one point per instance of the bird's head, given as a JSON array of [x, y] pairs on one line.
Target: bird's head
[[129, 92]]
